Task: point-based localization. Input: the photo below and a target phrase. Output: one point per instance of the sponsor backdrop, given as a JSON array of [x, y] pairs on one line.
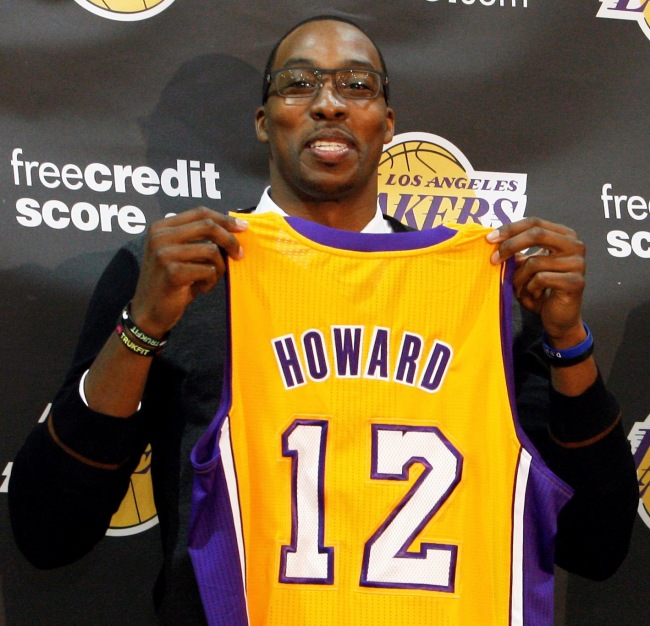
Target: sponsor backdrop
[[117, 112]]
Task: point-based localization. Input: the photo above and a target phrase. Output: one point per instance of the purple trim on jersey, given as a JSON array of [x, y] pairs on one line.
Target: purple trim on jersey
[[212, 539], [370, 242], [205, 453], [507, 297], [322, 549], [404, 552], [544, 500], [212, 545], [507, 300], [545, 493]]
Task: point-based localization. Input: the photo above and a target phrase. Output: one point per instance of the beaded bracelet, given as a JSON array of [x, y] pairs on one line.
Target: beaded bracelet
[[570, 356], [138, 333]]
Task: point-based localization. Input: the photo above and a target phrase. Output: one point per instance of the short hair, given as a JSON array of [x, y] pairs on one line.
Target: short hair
[[317, 18]]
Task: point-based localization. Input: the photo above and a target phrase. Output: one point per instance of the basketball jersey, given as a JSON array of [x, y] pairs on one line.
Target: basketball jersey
[[366, 466]]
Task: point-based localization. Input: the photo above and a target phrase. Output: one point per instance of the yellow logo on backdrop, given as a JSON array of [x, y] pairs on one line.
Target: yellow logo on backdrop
[[137, 512], [639, 438], [125, 10], [636, 10], [424, 181]]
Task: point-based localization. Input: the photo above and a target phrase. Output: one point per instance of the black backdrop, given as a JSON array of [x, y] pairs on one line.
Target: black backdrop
[[548, 95]]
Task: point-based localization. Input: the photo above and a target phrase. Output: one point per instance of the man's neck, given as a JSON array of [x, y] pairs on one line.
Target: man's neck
[[334, 215], [344, 215]]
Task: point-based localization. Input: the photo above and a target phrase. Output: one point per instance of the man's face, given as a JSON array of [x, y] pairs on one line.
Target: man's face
[[326, 147]]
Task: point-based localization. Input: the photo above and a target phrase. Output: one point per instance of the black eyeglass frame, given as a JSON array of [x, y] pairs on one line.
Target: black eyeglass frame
[[319, 72]]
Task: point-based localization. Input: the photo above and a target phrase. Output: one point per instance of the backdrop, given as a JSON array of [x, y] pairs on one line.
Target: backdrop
[[116, 112]]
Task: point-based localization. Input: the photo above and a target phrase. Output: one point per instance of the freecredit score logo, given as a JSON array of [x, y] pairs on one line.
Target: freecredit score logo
[[125, 10], [187, 179], [636, 10], [425, 181], [626, 211]]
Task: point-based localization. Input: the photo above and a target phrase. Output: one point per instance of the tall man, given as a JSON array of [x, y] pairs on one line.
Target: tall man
[[325, 143]]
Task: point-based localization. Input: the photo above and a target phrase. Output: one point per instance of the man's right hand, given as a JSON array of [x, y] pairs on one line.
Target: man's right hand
[[183, 257]]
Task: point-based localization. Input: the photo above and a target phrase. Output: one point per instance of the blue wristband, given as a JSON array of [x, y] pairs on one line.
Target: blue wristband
[[570, 356]]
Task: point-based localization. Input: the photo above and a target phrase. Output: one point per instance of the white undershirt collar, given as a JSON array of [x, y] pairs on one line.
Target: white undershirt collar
[[376, 225]]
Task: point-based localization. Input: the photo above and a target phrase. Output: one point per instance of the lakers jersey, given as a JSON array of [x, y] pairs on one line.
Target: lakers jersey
[[366, 467]]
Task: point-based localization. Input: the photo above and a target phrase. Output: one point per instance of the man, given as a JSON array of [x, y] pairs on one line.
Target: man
[[324, 147]]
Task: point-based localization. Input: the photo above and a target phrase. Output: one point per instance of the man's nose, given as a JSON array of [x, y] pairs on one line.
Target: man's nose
[[328, 102]]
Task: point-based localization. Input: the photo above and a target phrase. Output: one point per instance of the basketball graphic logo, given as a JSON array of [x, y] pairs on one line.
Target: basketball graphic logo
[[639, 438], [636, 10], [125, 10], [137, 512], [424, 181]]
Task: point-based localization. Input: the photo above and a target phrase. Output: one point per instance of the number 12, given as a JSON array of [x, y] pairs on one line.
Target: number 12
[[386, 560]]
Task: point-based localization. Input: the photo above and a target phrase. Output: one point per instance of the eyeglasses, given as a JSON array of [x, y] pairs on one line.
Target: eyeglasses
[[305, 82]]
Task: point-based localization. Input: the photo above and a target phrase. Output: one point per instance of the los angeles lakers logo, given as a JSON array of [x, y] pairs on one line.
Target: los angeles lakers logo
[[137, 512], [636, 10], [640, 443], [125, 10], [424, 181]]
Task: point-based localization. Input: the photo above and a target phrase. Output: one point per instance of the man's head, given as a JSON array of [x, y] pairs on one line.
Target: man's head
[[325, 130], [319, 18]]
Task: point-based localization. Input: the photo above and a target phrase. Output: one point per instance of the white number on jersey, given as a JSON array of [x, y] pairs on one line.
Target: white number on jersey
[[387, 561]]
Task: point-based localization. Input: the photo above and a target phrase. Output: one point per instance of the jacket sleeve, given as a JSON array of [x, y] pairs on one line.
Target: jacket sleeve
[[583, 441], [73, 470]]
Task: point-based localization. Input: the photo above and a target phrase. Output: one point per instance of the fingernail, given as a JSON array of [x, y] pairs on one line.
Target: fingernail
[[493, 236], [241, 223], [495, 259]]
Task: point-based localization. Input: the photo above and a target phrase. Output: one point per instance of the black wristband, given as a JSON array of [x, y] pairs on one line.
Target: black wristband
[[138, 333], [132, 345]]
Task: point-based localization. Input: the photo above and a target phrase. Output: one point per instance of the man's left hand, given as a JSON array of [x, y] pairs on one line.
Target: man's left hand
[[550, 279]]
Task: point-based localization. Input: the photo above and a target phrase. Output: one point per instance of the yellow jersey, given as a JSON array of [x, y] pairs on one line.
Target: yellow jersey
[[366, 466]]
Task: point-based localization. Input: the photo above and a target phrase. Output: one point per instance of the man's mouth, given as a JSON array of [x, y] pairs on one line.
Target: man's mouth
[[328, 146], [330, 150]]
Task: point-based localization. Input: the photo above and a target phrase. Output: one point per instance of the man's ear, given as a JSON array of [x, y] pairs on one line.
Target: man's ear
[[390, 125], [260, 124]]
